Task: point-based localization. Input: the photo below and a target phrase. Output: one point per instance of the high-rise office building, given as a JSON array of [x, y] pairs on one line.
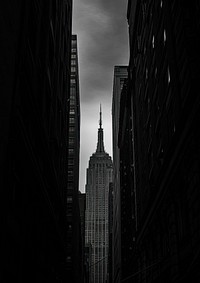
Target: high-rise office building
[[99, 176], [128, 204], [82, 207], [164, 107], [110, 229], [74, 126], [74, 240], [120, 74], [35, 85]]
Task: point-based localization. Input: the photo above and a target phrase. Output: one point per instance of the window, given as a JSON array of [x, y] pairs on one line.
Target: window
[[164, 36], [69, 199], [153, 39], [168, 75], [73, 69], [72, 111], [155, 73], [146, 73], [70, 173], [72, 102], [72, 96], [73, 62], [73, 81], [71, 120], [174, 128], [73, 56], [71, 141], [72, 90], [70, 161], [121, 83], [71, 150], [71, 129]]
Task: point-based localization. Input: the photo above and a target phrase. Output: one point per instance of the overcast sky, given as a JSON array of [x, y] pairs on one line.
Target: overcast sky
[[102, 32]]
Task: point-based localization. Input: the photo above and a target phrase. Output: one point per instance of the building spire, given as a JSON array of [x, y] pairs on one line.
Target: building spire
[[100, 120], [100, 143]]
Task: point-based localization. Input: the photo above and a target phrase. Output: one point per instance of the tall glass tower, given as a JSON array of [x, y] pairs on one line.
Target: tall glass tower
[[99, 176]]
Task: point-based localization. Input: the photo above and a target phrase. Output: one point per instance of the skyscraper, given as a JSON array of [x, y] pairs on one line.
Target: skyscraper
[[120, 74], [163, 110], [34, 87], [127, 184], [110, 229], [99, 176], [74, 241]]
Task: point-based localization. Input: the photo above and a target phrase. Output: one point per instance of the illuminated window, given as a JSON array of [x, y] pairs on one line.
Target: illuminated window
[[72, 111]]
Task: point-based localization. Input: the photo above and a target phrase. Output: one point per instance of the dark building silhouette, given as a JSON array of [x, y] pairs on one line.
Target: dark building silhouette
[[110, 231], [88, 261], [127, 184], [35, 85], [120, 74], [161, 134], [82, 207], [74, 241]]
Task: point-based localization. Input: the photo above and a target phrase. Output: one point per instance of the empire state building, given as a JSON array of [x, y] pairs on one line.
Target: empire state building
[[99, 176]]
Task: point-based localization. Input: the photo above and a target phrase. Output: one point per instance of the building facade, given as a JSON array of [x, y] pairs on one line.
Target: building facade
[[127, 175], [99, 176], [120, 74], [110, 230], [35, 87], [82, 207], [74, 238], [164, 107]]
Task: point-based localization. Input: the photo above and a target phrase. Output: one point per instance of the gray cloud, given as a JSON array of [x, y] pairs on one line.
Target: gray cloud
[[102, 31]]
